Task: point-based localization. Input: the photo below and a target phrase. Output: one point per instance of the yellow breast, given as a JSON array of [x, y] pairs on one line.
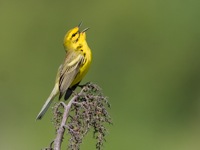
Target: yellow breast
[[86, 52]]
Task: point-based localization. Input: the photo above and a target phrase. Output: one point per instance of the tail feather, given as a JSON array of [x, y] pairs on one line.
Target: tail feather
[[48, 102], [70, 91]]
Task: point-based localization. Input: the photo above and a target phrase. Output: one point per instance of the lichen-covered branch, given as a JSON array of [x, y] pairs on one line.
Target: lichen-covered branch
[[86, 110], [61, 129]]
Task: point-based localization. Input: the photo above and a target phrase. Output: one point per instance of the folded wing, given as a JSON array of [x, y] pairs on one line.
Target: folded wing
[[69, 70]]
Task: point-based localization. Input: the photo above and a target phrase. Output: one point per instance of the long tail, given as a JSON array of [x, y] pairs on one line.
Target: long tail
[[48, 102]]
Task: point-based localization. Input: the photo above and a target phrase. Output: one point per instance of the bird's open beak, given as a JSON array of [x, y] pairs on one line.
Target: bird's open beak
[[80, 24], [85, 30]]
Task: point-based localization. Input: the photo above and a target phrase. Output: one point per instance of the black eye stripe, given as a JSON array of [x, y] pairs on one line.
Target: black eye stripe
[[73, 35]]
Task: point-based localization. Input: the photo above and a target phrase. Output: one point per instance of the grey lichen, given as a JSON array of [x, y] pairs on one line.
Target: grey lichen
[[88, 111]]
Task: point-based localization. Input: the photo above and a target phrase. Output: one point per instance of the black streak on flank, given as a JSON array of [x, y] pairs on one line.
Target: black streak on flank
[[79, 47]]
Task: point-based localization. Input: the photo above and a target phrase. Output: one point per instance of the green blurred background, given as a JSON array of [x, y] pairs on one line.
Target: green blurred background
[[145, 57]]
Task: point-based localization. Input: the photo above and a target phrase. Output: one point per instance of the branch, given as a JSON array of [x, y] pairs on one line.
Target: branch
[[61, 130], [86, 110]]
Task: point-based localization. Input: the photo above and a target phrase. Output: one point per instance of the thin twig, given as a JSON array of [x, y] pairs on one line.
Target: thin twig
[[61, 129]]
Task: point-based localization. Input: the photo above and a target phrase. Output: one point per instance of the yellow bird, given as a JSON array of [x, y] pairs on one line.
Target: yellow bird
[[75, 66]]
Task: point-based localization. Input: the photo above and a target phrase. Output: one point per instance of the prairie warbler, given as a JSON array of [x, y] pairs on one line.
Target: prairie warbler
[[75, 66]]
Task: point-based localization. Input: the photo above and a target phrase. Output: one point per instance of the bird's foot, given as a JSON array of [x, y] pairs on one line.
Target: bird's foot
[[82, 85]]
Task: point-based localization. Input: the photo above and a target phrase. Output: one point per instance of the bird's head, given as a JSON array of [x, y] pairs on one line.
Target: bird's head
[[74, 37]]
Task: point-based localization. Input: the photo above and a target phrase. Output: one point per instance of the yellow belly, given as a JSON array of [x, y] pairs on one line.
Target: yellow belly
[[83, 69]]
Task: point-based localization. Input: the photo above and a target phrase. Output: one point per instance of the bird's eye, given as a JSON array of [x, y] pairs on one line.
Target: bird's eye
[[73, 35]]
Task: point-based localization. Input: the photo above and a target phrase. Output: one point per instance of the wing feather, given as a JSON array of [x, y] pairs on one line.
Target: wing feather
[[69, 70]]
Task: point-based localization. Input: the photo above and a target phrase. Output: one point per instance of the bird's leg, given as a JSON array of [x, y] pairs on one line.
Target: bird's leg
[[82, 85]]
